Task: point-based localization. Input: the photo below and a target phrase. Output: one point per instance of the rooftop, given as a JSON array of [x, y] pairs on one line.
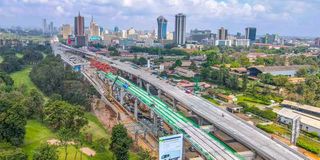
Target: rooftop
[[296, 105], [304, 118], [280, 68]]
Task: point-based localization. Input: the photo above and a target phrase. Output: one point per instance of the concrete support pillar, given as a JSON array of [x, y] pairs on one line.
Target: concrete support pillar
[[159, 93], [148, 88], [122, 93], [174, 104], [139, 82], [151, 114], [145, 133], [136, 109], [155, 119], [200, 121], [130, 76]]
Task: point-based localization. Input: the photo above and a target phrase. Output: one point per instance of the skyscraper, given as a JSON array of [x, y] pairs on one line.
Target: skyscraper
[[162, 28], [223, 34], [116, 29], [94, 28], [66, 31], [80, 39], [44, 26], [180, 29], [251, 34], [79, 25], [51, 28]]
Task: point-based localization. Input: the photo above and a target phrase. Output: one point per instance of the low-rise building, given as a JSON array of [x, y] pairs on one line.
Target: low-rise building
[[224, 43], [301, 107], [194, 46], [276, 70], [242, 42], [185, 72], [186, 63], [226, 98], [165, 65], [308, 123], [233, 108], [253, 56]]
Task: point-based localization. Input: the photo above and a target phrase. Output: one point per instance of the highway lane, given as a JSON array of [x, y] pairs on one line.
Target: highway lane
[[234, 126]]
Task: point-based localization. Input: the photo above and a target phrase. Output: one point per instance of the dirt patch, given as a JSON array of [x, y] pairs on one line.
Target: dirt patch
[[57, 142], [88, 151], [54, 142]]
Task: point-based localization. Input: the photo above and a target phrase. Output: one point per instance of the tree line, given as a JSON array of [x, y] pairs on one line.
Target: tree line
[[53, 79], [157, 51], [32, 54]]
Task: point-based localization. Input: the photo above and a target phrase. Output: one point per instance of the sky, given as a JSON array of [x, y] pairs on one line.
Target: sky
[[283, 17]]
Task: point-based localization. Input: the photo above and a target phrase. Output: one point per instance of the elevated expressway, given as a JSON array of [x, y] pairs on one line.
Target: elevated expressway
[[235, 127], [207, 144]]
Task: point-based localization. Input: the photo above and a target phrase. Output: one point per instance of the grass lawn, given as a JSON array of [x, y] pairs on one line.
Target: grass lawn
[[95, 127], [251, 100], [19, 55], [309, 144], [36, 134], [22, 78], [211, 99], [1, 59], [274, 128]]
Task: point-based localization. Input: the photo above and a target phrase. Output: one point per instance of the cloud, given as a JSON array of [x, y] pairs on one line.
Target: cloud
[[35, 1], [142, 13], [59, 10]]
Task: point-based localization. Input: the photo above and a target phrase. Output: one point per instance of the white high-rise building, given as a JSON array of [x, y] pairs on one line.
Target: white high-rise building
[[124, 34], [180, 29]]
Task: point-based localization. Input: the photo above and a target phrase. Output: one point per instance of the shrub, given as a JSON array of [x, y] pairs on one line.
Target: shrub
[[309, 145], [266, 128]]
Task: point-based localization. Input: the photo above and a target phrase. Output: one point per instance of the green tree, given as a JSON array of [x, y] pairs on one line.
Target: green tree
[[46, 152], [10, 64], [12, 122], [34, 104], [193, 66], [302, 72], [120, 142], [65, 135], [48, 75], [32, 57], [60, 114], [245, 82], [266, 78], [76, 93], [142, 61], [178, 63], [280, 80], [9, 152], [6, 79]]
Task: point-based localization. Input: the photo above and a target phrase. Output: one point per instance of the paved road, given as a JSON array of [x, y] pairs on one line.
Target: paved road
[[234, 126]]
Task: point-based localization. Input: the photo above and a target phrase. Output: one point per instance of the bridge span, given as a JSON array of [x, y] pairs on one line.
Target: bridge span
[[249, 135]]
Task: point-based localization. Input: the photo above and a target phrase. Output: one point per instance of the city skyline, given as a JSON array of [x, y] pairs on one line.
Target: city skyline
[[284, 18]]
